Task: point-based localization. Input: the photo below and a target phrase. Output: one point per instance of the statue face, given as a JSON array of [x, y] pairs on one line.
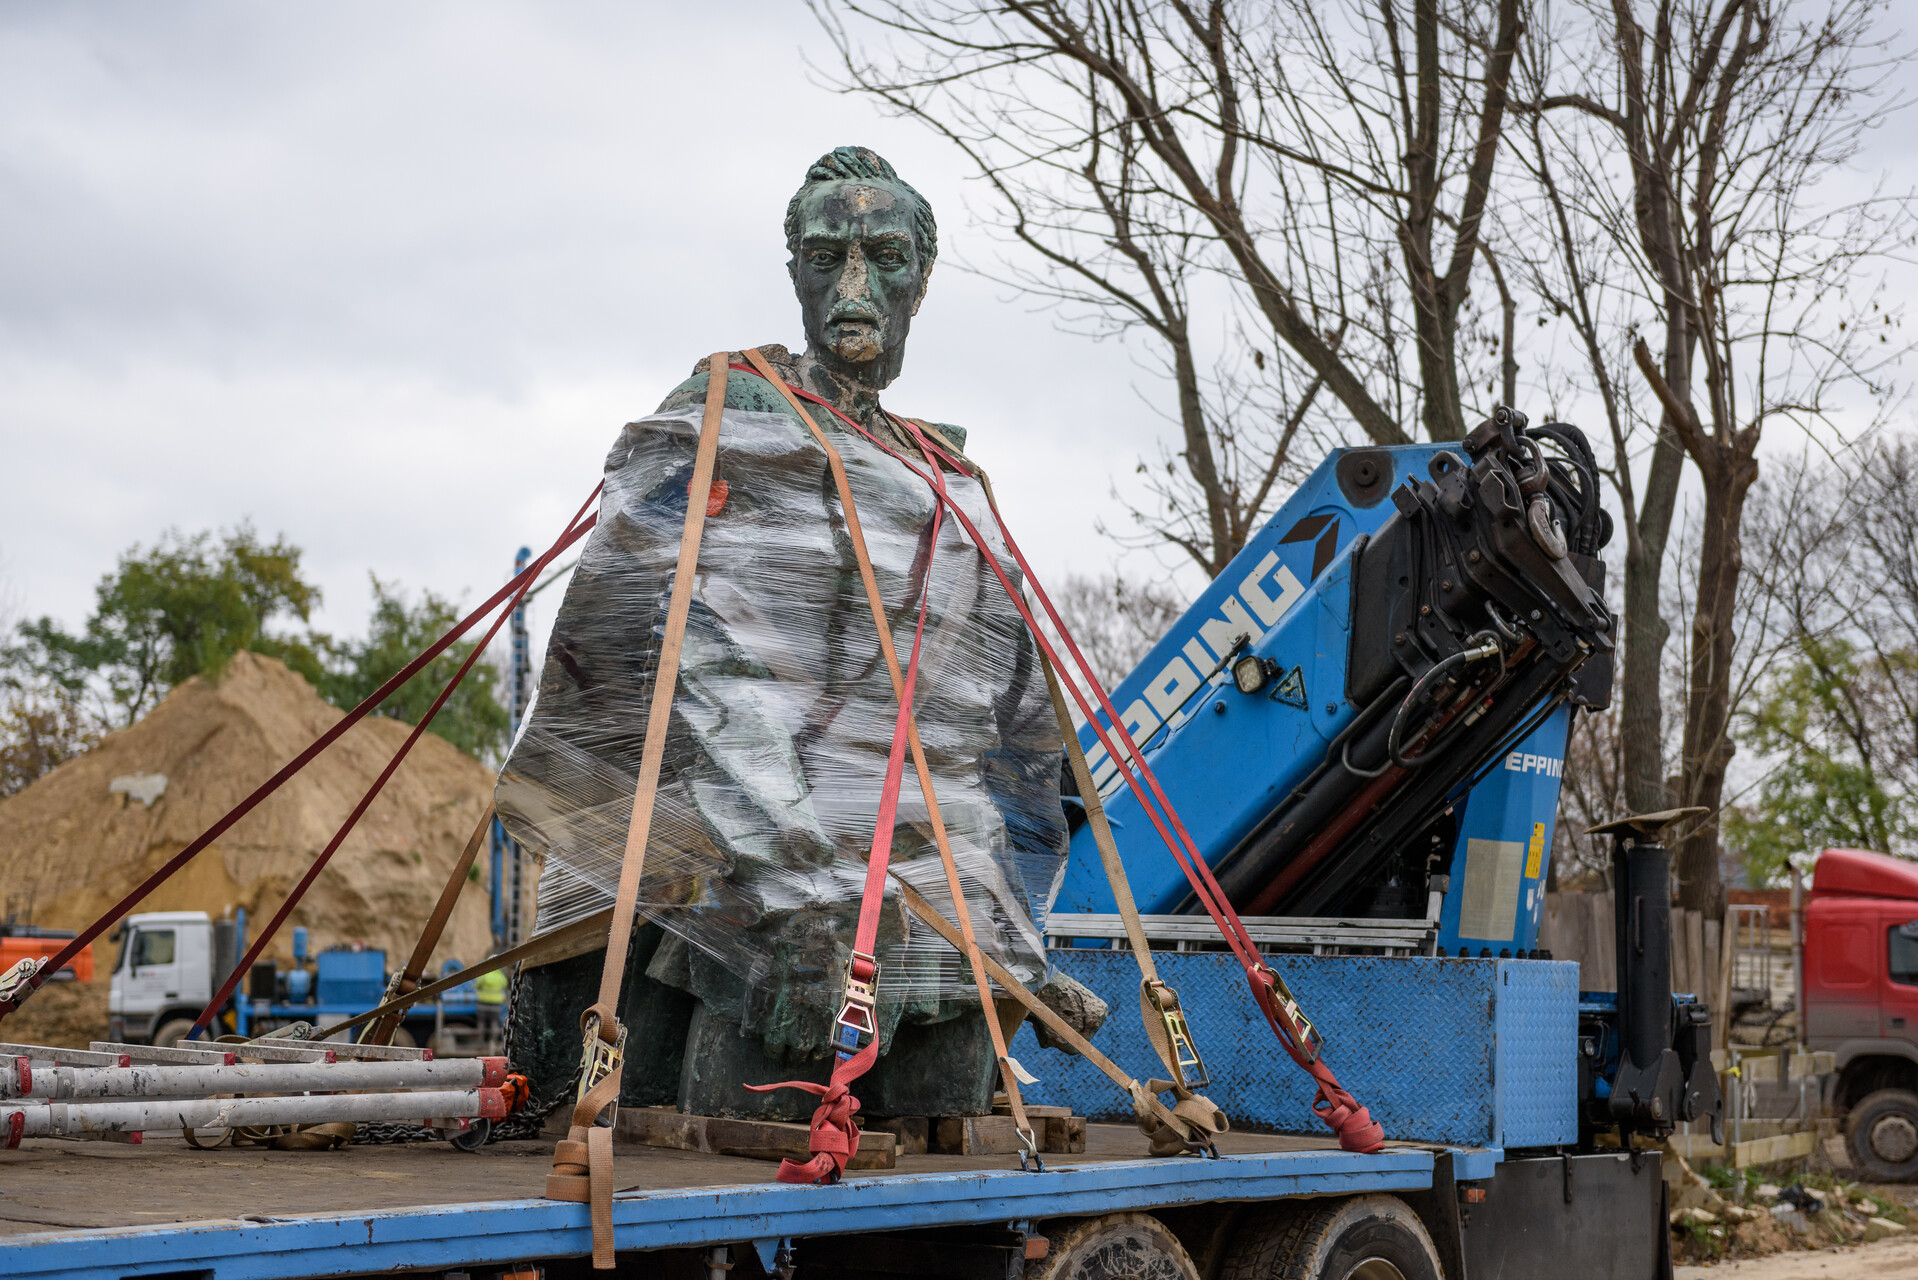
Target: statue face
[[859, 276]]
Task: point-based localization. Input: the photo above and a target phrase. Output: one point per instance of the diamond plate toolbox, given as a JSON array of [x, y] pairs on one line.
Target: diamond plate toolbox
[[1479, 1053]]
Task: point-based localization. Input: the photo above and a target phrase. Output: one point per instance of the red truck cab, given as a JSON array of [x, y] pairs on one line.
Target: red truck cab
[[1861, 1001]]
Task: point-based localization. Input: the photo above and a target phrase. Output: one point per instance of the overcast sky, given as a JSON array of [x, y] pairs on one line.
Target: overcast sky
[[388, 279]]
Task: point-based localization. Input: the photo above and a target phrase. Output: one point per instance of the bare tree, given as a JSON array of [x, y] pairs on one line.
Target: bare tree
[[1116, 622], [1590, 793], [1835, 712], [1729, 117], [1255, 436], [1317, 174]]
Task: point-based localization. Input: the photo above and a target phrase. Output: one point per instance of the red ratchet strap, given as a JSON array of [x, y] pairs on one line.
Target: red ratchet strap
[[16, 1125], [245, 966], [835, 1130], [517, 585], [1353, 1124]]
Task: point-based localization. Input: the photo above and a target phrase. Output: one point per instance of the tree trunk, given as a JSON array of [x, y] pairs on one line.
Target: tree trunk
[[1708, 745], [1199, 462], [1641, 715]]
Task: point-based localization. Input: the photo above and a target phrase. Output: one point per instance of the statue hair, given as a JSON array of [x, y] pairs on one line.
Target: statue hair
[[861, 164]]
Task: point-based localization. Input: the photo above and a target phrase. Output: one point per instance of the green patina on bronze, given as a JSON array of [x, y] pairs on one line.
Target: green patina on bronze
[[863, 244]]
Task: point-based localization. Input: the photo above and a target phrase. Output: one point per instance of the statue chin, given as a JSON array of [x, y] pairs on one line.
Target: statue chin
[[858, 348]]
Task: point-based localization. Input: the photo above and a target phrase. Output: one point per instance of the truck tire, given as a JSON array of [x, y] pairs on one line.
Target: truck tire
[[1119, 1246], [1882, 1136], [1361, 1238], [174, 1029]]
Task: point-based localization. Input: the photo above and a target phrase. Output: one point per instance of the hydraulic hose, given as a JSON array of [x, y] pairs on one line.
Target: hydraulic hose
[[1483, 645]]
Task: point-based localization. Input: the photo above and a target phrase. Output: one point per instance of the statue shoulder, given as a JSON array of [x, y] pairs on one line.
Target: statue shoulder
[[952, 437], [743, 390]]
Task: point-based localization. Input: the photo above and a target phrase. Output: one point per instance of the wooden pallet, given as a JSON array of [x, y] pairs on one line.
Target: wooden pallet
[[758, 1139], [881, 1142]]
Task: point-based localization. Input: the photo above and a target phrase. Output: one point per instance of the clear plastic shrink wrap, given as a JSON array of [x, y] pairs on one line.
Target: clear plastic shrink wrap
[[777, 748]]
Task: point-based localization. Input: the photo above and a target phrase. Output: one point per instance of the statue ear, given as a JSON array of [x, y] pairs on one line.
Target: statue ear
[[923, 282]]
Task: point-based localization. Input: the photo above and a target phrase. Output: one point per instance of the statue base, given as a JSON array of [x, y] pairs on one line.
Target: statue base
[[679, 1054], [932, 1069]]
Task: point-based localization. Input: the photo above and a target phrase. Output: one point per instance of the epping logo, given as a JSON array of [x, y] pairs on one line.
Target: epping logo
[[1524, 762], [1266, 594]]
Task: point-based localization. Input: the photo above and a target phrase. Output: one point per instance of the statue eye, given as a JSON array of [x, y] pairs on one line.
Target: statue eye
[[889, 258], [823, 257]]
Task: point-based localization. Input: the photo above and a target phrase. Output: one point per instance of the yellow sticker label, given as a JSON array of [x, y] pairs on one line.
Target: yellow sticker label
[[1536, 852]]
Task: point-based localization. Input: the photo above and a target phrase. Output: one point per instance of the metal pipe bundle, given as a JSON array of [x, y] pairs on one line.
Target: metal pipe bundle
[[145, 1080], [72, 1119]]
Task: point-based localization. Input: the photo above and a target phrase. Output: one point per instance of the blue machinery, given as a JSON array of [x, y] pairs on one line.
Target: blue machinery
[[1284, 611], [341, 983], [1363, 724]]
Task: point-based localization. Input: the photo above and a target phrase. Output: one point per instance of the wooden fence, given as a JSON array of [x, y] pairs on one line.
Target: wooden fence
[[1578, 926]]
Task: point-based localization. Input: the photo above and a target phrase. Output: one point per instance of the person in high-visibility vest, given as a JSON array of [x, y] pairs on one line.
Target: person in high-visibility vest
[[490, 992]]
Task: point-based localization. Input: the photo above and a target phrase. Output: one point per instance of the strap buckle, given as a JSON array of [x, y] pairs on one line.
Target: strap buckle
[[1310, 1041], [1185, 1054], [597, 1061], [859, 1014], [17, 983]]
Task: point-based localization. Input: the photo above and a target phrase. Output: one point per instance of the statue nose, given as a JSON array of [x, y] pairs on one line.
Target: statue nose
[[853, 282]]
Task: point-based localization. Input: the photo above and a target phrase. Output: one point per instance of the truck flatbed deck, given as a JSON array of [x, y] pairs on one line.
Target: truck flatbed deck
[[71, 1209]]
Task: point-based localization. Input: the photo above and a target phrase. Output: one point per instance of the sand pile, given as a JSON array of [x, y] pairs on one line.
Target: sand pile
[[79, 838]]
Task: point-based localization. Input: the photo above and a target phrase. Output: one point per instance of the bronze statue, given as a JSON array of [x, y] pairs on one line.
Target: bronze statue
[[783, 715]]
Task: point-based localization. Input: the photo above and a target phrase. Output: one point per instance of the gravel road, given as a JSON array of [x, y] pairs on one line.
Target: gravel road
[[1881, 1261]]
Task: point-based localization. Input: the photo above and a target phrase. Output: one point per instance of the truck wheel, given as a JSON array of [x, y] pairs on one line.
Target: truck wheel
[[1363, 1238], [1119, 1246], [1882, 1134], [174, 1029]]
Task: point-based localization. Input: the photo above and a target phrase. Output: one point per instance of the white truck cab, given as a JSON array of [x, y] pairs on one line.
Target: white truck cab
[[162, 977]]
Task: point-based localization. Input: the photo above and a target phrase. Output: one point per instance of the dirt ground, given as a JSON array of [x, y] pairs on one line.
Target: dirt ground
[[1887, 1258], [1897, 1256]]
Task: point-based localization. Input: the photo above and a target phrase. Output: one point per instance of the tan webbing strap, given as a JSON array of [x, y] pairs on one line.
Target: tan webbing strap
[[1154, 1116], [409, 978], [592, 1179], [1101, 828], [1156, 997], [967, 945]]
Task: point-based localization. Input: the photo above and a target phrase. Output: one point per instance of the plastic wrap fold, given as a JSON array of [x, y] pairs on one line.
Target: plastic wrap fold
[[784, 712]]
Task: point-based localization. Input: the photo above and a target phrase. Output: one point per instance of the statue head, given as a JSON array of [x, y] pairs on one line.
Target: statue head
[[863, 244]]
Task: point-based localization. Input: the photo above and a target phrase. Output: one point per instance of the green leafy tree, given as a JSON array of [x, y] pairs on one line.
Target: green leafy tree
[[40, 730], [474, 719], [1831, 719], [182, 608]]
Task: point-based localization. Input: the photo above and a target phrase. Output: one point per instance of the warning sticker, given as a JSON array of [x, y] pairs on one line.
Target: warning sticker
[[1291, 688], [1536, 852]]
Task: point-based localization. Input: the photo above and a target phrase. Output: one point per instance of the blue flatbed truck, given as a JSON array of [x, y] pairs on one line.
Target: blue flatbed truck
[[1393, 876]]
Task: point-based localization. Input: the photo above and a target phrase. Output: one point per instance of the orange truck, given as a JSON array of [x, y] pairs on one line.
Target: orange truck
[[30, 942]]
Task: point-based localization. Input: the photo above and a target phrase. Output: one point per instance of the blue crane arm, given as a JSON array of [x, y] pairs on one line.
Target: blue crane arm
[[1264, 710]]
